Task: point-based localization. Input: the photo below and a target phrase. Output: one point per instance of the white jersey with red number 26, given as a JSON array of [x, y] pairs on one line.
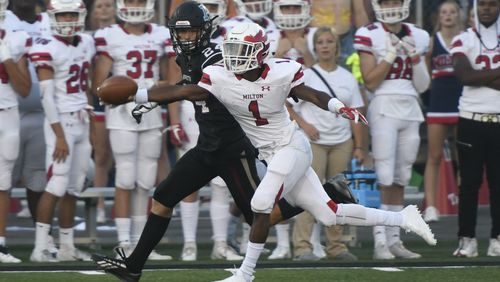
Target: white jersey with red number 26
[[482, 54], [70, 63], [372, 38], [19, 43], [259, 106], [138, 57]]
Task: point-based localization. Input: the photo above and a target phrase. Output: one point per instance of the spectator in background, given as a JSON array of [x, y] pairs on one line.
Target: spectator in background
[[475, 61], [392, 67], [103, 14], [442, 113], [343, 15], [330, 136]]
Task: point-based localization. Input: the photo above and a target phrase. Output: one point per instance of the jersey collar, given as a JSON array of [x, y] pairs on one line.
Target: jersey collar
[[263, 75], [76, 41], [148, 29]]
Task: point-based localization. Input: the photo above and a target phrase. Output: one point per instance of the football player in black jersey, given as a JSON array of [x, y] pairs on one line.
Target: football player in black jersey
[[222, 150]]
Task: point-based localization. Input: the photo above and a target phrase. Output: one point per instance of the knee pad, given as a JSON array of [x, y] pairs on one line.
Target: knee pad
[[265, 196], [58, 184], [10, 146], [125, 171], [403, 175], [147, 169], [6, 175], [384, 172]]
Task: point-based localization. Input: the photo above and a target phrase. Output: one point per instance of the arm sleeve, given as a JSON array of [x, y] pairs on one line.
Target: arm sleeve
[[47, 90], [420, 76]]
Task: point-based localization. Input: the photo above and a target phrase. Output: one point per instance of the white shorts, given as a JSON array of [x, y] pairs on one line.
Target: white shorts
[[9, 145]]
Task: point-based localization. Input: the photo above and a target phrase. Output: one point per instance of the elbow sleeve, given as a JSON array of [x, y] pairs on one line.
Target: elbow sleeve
[[421, 78], [47, 91]]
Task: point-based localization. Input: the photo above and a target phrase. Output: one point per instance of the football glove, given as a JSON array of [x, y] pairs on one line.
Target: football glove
[[141, 109], [352, 114], [408, 44], [177, 135], [391, 43]]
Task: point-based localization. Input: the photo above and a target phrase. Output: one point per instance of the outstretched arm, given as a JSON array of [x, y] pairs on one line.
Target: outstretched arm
[[166, 94], [326, 102]]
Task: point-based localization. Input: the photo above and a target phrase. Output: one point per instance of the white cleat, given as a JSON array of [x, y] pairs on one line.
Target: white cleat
[[398, 250], [467, 247], [413, 221], [189, 252], [431, 214], [494, 247], [381, 251], [6, 257], [280, 253], [42, 256], [51, 246], [237, 276], [156, 256], [72, 254], [222, 251]]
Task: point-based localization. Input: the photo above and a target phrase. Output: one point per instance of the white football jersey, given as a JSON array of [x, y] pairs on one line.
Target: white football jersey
[[138, 57], [484, 56], [259, 106], [71, 65], [39, 28], [272, 31], [294, 54], [19, 43], [372, 39]]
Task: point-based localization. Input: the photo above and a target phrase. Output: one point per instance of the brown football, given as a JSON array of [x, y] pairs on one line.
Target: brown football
[[117, 89]]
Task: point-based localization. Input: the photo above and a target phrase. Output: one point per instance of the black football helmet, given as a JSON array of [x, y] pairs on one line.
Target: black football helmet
[[194, 16]]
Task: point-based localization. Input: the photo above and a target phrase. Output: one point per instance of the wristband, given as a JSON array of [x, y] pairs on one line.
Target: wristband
[[141, 96], [390, 57], [334, 105]]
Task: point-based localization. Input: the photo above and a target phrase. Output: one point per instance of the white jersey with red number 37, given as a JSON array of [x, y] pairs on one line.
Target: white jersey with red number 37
[[372, 39], [19, 43], [259, 106], [70, 64], [138, 57], [484, 56]]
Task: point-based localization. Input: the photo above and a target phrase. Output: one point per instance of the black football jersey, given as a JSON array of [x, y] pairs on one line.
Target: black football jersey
[[218, 127]]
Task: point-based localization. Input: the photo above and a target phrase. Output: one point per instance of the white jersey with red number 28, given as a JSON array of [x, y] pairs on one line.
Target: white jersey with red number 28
[[482, 54], [70, 63], [372, 39], [259, 106], [19, 43], [138, 57]]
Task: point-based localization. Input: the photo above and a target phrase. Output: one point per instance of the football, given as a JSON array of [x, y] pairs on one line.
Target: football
[[116, 90]]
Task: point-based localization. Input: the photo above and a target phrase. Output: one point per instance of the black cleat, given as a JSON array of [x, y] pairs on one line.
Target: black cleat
[[338, 189], [116, 267]]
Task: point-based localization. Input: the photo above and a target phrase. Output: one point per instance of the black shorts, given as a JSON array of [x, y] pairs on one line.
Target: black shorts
[[235, 164]]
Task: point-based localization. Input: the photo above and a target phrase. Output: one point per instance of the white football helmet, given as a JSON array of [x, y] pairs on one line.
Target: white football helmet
[[67, 29], [220, 14], [3, 8], [245, 48], [254, 9], [292, 21], [391, 15], [135, 14]]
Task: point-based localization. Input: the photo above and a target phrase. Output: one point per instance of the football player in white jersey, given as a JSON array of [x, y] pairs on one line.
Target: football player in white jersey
[[476, 61], [392, 67], [256, 98], [135, 49], [296, 39], [14, 80], [63, 62]]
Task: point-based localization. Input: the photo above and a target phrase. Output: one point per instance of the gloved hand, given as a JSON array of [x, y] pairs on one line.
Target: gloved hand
[[141, 109], [177, 135], [409, 45], [4, 51], [391, 44], [352, 114]]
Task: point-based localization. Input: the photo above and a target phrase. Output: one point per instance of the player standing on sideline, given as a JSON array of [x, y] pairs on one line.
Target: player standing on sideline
[[30, 164], [256, 98], [135, 49], [184, 134], [63, 64], [14, 80], [393, 68], [476, 61]]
